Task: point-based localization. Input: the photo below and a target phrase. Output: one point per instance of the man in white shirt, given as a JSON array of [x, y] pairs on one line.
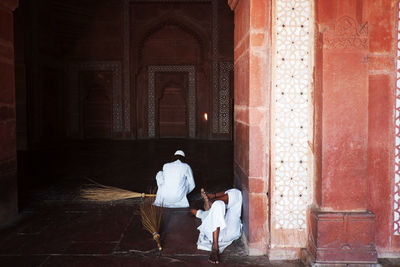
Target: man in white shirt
[[174, 182], [220, 221]]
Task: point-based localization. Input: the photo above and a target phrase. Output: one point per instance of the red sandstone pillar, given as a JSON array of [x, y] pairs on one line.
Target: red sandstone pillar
[[343, 229], [382, 26], [251, 136], [8, 157]]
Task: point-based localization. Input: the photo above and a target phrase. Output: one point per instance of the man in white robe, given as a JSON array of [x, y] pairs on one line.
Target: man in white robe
[[174, 182], [220, 221]]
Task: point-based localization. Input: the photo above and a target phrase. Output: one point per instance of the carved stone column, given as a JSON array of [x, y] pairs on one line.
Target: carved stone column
[[342, 227]]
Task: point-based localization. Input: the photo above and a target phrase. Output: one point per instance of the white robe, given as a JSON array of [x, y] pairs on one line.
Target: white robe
[[226, 217], [174, 182]]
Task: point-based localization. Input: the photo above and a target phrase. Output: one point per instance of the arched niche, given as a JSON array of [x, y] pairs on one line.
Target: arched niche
[[96, 104], [170, 42], [190, 98]]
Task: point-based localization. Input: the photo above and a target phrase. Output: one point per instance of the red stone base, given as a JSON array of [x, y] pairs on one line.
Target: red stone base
[[342, 237]]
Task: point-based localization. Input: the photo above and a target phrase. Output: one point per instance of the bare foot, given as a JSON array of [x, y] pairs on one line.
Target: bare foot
[[214, 257], [193, 211], [206, 200]]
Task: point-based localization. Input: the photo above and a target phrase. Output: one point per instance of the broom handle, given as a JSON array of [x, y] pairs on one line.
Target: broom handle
[[156, 237], [148, 195]]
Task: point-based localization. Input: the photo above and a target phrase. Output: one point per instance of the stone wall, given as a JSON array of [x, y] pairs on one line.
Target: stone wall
[[352, 216], [355, 85], [8, 157], [251, 139], [382, 17], [66, 43]]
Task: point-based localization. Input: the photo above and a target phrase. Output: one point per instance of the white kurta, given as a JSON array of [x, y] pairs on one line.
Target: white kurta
[[226, 217], [174, 182]]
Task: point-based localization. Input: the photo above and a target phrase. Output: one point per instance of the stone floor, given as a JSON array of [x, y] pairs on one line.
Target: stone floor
[[57, 228]]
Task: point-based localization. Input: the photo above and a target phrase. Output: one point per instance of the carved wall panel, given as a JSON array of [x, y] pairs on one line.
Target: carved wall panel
[[151, 96], [291, 160], [96, 103], [74, 97], [347, 34], [203, 30]]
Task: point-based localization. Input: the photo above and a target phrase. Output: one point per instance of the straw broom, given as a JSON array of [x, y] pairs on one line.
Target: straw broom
[[151, 219], [151, 215], [104, 193]]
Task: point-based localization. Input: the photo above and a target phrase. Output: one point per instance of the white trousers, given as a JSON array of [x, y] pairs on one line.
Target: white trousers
[[226, 217]]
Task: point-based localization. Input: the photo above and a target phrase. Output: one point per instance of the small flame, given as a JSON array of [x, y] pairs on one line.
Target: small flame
[[205, 116]]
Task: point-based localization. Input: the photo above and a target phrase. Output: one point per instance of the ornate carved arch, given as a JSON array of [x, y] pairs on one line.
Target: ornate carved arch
[[184, 25]]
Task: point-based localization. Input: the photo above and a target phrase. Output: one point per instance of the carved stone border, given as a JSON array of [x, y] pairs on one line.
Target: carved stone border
[[126, 67], [224, 96], [347, 34], [396, 180], [73, 71], [291, 121], [215, 65], [151, 100]]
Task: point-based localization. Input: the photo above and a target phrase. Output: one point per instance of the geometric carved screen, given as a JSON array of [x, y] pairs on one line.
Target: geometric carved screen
[[396, 196], [225, 68], [73, 73], [292, 113]]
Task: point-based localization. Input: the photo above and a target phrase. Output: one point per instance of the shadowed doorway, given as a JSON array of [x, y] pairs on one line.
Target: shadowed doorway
[[139, 75], [172, 113]]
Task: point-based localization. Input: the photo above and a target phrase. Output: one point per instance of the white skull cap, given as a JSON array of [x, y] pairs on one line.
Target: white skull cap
[[180, 153]]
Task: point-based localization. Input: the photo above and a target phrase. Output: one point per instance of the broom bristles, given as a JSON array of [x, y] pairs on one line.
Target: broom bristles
[[104, 193], [151, 219], [151, 215]]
